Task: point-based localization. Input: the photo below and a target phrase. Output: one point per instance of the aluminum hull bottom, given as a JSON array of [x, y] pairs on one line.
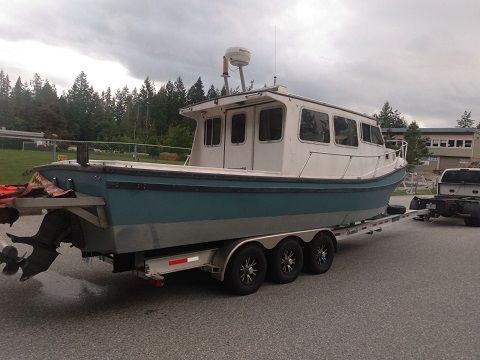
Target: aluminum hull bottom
[[140, 237]]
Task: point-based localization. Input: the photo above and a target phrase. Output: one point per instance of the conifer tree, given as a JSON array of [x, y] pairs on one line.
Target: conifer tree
[[389, 118], [5, 115], [196, 93], [212, 93], [465, 120], [417, 149]]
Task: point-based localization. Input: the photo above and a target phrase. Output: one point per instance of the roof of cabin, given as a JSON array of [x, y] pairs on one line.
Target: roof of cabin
[[249, 95]]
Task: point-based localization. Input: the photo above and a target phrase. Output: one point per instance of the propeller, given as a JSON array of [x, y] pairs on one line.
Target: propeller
[[9, 256]]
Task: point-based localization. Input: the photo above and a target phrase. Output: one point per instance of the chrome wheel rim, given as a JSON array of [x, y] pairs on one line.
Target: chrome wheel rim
[[288, 261], [248, 271], [321, 254]]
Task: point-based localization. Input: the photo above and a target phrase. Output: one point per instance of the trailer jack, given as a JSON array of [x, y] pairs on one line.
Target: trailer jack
[[57, 226]]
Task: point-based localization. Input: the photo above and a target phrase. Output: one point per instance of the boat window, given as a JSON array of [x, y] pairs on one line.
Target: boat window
[[366, 133], [270, 127], [314, 126], [345, 131], [377, 137], [372, 134], [212, 131], [238, 128]]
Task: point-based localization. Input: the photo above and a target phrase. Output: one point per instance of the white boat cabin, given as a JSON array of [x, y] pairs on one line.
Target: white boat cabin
[[269, 130]]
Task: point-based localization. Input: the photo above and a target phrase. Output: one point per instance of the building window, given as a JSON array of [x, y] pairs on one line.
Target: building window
[[435, 142], [468, 143], [345, 131], [238, 129], [459, 143], [428, 142], [314, 126], [212, 131], [271, 123], [451, 143], [443, 143]]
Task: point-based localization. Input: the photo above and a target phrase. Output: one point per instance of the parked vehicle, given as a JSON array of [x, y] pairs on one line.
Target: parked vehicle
[[458, 194]]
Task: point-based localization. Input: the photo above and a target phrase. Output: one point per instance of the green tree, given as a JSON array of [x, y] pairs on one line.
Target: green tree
[[196, 93], [145, 101], [47, 115], [21, 106], [212, 93], [5, 115], [80, 104], [389, 118], [465, 120], [180, 136], [417, 150]]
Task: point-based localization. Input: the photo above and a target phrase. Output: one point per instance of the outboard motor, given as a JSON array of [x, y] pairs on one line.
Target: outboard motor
[[57, 226], [9, 256]]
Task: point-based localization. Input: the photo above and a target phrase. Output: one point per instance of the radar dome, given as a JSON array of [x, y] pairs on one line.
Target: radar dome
[[238, 56]]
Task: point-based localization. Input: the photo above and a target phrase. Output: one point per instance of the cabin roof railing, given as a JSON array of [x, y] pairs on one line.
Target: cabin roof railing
[[254, 96]]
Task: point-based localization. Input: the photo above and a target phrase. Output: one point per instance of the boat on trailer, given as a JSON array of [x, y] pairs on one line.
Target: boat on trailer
[[262, 162]]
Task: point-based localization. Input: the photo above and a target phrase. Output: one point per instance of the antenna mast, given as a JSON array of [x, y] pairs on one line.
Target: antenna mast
[[275, 56]]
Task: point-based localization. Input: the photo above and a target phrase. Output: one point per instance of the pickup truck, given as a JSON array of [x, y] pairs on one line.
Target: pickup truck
[[458, 194]]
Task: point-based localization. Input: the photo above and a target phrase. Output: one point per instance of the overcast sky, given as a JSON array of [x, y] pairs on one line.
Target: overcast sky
[[422, 56]]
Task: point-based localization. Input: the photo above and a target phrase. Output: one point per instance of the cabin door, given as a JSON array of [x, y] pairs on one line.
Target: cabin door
[[239, 138]]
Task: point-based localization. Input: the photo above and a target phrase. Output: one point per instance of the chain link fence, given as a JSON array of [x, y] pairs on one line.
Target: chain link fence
[[98, 150]]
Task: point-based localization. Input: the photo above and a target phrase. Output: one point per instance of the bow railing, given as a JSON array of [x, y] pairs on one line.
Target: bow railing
[[395, 153]]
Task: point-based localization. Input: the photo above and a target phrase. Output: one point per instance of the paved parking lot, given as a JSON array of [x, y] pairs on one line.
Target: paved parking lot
[[412, 291]]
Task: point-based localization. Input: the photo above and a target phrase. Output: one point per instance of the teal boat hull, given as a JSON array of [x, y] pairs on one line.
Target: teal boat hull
[[157, 209]]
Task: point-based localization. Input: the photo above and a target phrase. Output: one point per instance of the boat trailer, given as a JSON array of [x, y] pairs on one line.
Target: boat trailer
[[62, 224]]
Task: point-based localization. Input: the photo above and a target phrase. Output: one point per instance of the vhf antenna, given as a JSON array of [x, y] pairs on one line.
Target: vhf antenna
[[275, 56]]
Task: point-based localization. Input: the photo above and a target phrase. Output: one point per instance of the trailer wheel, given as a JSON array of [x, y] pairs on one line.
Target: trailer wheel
[[246, 270], [286, 261], [319, 254], [472, 221]]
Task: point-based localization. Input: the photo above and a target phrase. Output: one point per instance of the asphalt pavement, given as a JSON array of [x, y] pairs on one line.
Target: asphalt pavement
[[409, 292]]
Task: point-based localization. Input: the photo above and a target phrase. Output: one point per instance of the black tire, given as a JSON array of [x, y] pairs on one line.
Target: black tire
[[319, 254], [472, 221], [396, 209], [286, 261], [246, 270]]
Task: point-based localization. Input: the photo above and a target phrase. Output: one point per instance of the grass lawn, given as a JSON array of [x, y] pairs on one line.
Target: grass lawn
[[16, 165]]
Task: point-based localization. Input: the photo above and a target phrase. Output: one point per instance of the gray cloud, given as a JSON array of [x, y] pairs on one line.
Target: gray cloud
[[421, 56]]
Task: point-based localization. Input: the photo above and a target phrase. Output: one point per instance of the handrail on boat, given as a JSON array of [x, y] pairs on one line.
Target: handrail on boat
[[400, 153]]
